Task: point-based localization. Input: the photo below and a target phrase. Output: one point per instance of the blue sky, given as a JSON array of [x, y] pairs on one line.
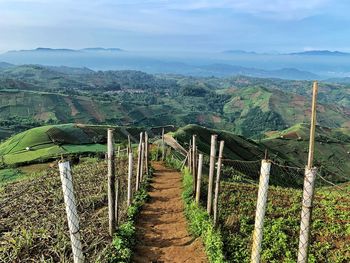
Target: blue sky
[[178, 25]]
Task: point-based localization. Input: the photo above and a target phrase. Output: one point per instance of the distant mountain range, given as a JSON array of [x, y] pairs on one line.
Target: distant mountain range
[[298, 66], [59, 50], [303, 53], [224, 70], [320, 53]]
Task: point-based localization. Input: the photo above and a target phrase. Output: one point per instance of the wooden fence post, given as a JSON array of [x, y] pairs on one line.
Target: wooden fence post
[[117, 188], [199, 178], [211, 172], [118, 152], [309, 186], [194, 163], [260, 210], [129, 145], [130, 167], [163, 145], [111, 182], [139, 161], [217, 183], [142, 161], [146, 152], [71, 211], [194, 158], [190, 157]]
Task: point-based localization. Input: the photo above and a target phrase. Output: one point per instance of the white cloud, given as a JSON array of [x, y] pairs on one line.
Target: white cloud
[[283, 9]]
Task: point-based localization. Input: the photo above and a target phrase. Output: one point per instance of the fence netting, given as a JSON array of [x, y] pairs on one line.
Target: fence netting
[[284, 232], [33, 218]]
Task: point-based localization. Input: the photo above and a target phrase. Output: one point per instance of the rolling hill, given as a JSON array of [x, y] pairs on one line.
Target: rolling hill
[[34, 95], [332, 149], [289, 147], [257, 109], [52, 141]]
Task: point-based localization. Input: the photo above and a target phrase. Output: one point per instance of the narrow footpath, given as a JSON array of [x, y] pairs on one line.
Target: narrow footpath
[[162, 234]]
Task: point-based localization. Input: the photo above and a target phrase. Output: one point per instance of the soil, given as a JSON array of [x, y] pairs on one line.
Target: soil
[[162, 234]]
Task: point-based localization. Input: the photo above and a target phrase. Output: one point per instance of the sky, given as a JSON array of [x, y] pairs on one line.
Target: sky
[[176, 25]]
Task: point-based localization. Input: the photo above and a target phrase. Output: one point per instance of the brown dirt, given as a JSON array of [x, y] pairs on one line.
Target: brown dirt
[[162, 234]]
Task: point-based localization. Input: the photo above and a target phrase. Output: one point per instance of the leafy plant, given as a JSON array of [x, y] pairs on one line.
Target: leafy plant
[[200, 224]]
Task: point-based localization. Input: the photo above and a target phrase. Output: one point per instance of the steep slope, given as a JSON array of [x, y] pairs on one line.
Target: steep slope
[[236, 147], [332, 150], [257, 109]]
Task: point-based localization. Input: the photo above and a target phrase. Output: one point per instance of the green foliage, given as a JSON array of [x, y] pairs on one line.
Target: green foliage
[[282, 224], [124, 239], [173, 162], [155, 153], [199, 223], [136, 98], [256, 122], [193, 91], [8, 175]]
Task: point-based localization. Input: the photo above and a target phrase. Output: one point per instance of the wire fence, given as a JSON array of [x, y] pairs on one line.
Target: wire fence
[[36, 226], [277, 215]]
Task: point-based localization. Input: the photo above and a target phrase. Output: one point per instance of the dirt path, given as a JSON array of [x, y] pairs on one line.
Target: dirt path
[[162, 234]]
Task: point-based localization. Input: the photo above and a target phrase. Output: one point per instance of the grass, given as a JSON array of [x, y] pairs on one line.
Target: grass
[[330, 231], [200, 224], [236, 147], [8, 175], [124, 240]]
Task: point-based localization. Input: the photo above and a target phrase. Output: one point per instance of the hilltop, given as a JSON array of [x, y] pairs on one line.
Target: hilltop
[[46, 142]]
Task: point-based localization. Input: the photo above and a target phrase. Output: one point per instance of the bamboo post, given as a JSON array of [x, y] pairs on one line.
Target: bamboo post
[[118, 152], [111, 182], [142, 161], [306, 212], [129, 145], [194, 161], [260, 210], [217, 183], [71, 211], [117, 186], [139, 161], [190, 157], [313, 126], [130, 167], [146, 152], [211, 172], [199, 178], [163, 145], [309, 186]]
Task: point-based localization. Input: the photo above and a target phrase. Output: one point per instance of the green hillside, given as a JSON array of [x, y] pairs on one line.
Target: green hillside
[[256, 110], [42, 143], [332, 150], [34, 95], [236, 147]]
